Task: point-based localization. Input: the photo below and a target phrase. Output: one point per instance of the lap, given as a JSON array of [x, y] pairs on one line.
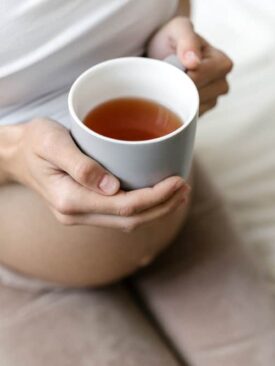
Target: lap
[[205, 292], [77, 327]]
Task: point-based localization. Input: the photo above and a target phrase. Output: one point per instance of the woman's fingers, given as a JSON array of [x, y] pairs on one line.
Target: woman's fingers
[[213, 67], [71, 198], [146, 198], [210, 76], [68, 180], [213, 90], [207, 106], [59, 148], [126, 224], [188, 43], [210, 93]]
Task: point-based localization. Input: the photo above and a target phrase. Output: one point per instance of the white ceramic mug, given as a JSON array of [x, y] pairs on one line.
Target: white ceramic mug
[[137, 164]]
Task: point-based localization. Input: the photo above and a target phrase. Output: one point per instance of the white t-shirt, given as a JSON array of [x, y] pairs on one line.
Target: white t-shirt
[[46, 44]]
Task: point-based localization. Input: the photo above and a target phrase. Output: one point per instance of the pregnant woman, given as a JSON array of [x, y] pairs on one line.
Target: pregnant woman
[[65, 223]]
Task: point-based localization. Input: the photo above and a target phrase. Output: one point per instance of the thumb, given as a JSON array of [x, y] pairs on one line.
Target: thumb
[[188, 45], [81, 168]]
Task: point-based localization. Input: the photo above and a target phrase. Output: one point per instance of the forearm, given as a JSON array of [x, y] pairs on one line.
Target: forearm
[[184, 8], [9, 140]]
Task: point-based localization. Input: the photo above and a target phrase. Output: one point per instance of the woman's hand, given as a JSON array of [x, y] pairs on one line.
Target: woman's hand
[[80, 191], [205, 64]]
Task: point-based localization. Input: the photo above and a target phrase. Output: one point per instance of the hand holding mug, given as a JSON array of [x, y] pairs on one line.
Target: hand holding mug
[[206, 65], [76, 188]]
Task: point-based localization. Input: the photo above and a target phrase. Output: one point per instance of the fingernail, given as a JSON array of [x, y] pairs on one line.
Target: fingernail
[[192, 57], [186, 192], [108, 184], [179, 185], [188, 188]]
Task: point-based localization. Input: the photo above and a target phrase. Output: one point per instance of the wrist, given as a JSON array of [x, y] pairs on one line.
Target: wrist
[[10, 140]]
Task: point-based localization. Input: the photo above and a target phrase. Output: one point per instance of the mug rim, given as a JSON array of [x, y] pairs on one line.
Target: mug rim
[[122, 60]]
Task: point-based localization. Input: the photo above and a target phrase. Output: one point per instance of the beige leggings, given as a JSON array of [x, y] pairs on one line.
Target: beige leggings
[[201, 301]]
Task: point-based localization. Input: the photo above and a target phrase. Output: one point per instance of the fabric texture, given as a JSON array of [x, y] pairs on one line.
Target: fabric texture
[[205, 292], [235, 141], [77, 327], [46, 44], [10, 278]]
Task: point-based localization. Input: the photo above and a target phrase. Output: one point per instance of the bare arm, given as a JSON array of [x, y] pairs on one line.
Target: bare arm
[[184, 8]]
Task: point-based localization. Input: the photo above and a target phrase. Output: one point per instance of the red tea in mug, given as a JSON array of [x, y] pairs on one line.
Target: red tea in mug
[[132, 119]]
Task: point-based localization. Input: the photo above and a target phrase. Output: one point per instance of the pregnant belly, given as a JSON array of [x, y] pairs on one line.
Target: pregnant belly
[[34, 243]]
